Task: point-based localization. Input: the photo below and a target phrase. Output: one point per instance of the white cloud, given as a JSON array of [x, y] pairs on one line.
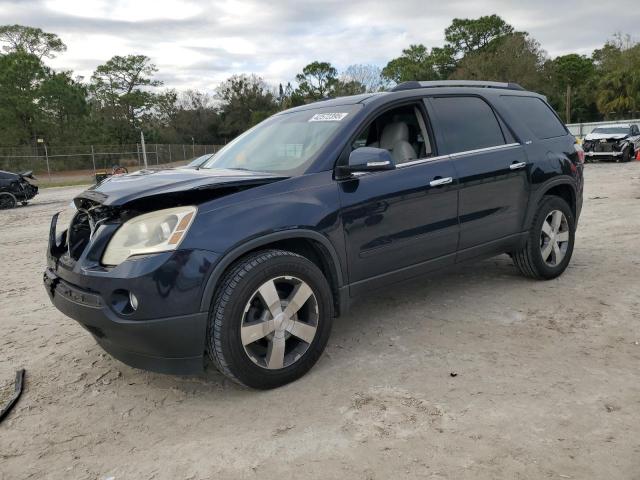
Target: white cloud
[[200, 43]]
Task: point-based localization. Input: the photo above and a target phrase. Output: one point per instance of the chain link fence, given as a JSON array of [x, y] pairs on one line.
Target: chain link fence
[[76, 165]]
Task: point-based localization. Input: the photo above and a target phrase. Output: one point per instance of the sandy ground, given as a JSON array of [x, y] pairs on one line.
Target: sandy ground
[[547, 385]]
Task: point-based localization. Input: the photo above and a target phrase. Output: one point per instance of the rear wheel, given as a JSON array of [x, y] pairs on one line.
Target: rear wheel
[[549, 245], [270, 320]]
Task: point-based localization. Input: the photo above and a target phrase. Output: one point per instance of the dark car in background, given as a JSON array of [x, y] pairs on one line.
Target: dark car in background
[[16, 188], [249, 258], [618, 142]]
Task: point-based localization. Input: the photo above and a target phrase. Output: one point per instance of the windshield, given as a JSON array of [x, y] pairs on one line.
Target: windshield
[[612, 130], [285, 144]]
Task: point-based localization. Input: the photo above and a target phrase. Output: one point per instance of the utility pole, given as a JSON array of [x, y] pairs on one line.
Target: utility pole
[[144, 150]]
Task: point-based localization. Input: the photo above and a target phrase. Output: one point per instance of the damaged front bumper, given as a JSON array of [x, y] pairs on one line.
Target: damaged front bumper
[[166, 332]]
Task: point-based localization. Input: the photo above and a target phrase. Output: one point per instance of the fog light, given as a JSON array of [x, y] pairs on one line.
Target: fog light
[[133, 301]]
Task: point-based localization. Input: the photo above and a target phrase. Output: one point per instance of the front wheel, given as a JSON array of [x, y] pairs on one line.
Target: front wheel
[[550, 242], [270, 320]]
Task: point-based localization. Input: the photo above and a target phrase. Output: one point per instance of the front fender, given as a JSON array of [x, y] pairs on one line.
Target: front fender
[[245, 247]]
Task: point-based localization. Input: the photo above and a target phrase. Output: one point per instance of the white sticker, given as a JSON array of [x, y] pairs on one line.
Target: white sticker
[[328, 117]]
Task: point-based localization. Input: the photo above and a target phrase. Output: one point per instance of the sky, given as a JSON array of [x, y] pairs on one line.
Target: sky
[[198, 44]]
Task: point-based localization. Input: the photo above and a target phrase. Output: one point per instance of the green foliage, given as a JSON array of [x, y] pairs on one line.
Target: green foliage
[[317, 81], [120, 89], [415, 63], [123, 97], [512, 58], [21, 76], [246, 101], [618, 73], [466, 35], [19, 38]]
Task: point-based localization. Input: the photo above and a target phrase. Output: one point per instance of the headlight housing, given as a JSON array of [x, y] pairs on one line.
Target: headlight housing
[[153, 232]]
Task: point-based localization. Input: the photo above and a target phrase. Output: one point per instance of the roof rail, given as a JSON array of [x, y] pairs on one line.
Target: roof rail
[[455, 83]]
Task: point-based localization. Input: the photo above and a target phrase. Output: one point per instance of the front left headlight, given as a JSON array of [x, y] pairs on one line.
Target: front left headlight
[[153, 232]]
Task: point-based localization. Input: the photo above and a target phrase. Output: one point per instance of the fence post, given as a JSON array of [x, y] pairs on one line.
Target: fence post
[[169, 153], [157, 159], [138, 150], [144, 150], [46, 156], [184, 152], [93, 159]]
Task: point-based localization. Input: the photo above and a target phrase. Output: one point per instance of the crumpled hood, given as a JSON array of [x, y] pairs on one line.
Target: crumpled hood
[[606, 136], [120, 189]]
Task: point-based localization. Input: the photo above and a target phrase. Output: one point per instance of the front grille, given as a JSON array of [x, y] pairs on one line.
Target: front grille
[[603, 147], [79, 234], [87, 219]]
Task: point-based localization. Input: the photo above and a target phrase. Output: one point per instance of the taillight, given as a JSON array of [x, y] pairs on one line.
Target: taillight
[[580, 152]]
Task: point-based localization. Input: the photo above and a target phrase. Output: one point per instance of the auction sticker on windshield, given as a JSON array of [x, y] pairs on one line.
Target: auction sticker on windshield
[[328, 117]]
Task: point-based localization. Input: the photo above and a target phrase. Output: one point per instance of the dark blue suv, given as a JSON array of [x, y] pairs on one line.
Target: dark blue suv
[[251, 256]]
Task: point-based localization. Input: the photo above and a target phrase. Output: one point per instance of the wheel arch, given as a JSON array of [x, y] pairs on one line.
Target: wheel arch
[[308, 243], [563, 187]]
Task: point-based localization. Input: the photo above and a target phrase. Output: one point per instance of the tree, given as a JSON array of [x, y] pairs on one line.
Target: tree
[[415, 63], [344, 88], [618, 70], [317, 80], [21, 75], [514, 58], [369, 76], [466, 35], [568, 73], [121, 90], [19, 38], [246, 101], [63, 108]]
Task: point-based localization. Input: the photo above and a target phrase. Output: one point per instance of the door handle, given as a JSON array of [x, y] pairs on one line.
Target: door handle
[[517, 165], [440, 181]]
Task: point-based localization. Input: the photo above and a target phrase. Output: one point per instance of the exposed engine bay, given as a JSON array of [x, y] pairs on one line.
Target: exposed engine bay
[[616, 142]]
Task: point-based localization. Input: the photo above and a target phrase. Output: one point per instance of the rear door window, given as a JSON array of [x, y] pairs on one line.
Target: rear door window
[[536, 115], [467, 123]]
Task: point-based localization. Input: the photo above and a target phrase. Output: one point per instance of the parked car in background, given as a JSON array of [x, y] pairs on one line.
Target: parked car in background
[[249, 258], [198, 162], [618, 142], [16, 188]]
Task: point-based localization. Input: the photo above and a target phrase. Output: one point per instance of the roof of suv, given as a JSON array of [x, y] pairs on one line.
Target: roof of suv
[[414, 88]]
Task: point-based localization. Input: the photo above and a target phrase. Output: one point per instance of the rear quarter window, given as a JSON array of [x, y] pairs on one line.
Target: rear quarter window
[[536, 115], [467, 123]]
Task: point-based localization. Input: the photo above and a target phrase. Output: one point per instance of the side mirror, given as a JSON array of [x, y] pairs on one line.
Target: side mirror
[[367, 159]]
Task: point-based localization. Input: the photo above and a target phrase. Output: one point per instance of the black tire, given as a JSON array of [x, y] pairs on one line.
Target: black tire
[[626, 155], [236, 289], [529, 259], [7, 201]]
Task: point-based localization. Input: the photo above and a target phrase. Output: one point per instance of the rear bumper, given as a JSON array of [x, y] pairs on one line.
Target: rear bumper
[[173, 345]]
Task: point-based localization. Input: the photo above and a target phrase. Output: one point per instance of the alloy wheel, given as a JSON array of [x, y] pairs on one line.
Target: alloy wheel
[[280, 322], [554, 238]]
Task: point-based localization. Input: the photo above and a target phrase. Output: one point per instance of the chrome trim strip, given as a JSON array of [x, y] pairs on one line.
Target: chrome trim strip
[[486, 149], [452, 156], [421, 160]]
